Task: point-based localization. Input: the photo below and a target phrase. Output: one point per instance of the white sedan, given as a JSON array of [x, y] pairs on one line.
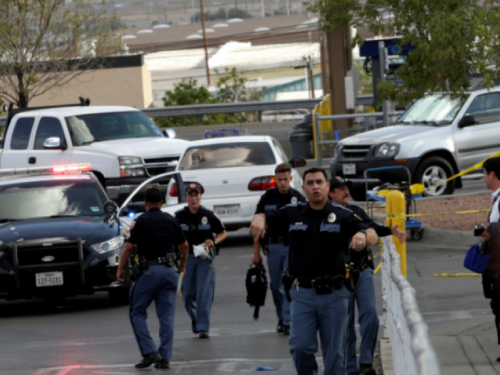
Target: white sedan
[[234, 172]]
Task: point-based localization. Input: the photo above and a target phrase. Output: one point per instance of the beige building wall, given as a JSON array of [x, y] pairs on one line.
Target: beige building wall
[[130, 86]]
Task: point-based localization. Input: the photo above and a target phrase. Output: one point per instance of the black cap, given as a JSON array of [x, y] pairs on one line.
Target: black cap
[[336, 183], [193, 186], [153, 195]]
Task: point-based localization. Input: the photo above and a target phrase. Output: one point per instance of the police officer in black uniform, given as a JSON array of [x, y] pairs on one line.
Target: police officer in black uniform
[[364, 294], [156, 235], [275, 243], [199, 225], [320, 236]]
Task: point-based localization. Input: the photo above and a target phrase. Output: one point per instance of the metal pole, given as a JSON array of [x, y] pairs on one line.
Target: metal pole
[[288, 10], [382, 62], [263, 8], [205, 41], [319, 148], [311, 74]]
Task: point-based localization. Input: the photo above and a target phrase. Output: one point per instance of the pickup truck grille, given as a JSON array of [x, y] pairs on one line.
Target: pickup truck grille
[[156, 166], [355, 152]]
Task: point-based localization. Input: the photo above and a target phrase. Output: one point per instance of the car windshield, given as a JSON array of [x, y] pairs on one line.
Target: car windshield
[[432, 110], [96, 127], [227, 155], [50, 198]]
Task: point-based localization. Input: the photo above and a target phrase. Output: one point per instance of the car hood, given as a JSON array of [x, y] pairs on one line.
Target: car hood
[[141, 147], [399, 133], [91, 230]]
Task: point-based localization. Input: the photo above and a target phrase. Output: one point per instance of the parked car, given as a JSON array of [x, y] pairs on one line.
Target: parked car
[[437, 137]]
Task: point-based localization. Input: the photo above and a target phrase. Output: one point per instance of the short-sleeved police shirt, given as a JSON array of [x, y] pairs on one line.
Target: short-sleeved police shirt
[[156, 233], [200, 226], [319, 239], [273, 200]]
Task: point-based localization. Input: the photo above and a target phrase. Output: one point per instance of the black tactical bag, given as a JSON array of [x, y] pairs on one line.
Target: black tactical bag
[[256, 284]]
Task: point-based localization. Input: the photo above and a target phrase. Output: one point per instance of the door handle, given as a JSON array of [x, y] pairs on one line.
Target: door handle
[[32, 160]]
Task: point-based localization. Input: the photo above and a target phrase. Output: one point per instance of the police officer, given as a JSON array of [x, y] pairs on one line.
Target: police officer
[[276, 242], [199, 226], [320, 235], [364, 294], [156, 234]]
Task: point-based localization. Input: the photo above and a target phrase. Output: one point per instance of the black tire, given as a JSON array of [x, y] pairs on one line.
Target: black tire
[[358, 193], [432, 170]]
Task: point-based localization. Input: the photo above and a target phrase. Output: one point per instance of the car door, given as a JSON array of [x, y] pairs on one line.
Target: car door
[[477, 142], [39, 156], [16, 147]]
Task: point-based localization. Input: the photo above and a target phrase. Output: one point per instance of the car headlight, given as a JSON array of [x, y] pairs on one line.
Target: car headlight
[[109, 245], [131, 166], [387, 150], [129, 160]]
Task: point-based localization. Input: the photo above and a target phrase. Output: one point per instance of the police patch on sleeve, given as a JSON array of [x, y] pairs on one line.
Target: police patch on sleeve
[[204, 220], [294, 200], [331, 217]]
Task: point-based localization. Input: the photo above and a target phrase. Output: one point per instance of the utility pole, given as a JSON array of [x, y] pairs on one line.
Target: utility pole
[[205, 41], [311, 75], [263, 8], [383, 68], [288, 11]]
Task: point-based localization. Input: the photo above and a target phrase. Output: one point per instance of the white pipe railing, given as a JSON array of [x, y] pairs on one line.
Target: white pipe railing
[[412, 352]]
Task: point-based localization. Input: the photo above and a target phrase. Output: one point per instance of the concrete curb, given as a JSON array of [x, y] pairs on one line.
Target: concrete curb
[[386, 357]]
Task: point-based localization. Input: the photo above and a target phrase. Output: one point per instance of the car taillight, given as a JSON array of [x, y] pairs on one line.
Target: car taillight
[[262, 183], [173, 190]]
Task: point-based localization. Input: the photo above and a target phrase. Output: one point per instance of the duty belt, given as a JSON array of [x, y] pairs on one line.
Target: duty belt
[[167, 260], [279, 240], [312, 283]]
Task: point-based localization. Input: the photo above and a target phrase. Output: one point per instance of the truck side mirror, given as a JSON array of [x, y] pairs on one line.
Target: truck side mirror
[[297, 162], [5, 108], [54, 143], [169, 133], [110, 207], [466, 121]]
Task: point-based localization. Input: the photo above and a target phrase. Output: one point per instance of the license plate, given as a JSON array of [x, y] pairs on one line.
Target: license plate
[[49, 279], [349, 168], [228, 210]]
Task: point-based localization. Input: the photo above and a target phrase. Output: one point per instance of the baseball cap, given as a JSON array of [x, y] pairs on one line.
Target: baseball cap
[[153, 195], [193, 186], [336, 183]]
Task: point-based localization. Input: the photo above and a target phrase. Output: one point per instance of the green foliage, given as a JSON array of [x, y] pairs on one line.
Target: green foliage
[[219, 15], [230, 88], [238, 13], [453, 39]]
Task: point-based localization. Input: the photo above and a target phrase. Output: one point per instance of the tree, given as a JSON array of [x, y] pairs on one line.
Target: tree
[[453, 39], [44, 44]]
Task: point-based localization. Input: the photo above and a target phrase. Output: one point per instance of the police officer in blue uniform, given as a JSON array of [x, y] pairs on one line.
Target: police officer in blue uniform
[[276, 243], [320, 235], [156, 235], [364, 294], [199, 225]]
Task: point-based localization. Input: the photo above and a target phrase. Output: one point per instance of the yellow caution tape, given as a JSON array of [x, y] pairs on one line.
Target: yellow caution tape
[[402, 215], [378, 268], [457, 275], [381, 245], [475, 166]]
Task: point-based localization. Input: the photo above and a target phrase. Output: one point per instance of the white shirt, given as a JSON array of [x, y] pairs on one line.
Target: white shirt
[[494, 213]]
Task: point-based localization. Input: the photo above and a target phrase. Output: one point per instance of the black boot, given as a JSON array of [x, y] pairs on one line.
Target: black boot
[[286, 330], [163, 364], [148, 360], [279, 327], [193, 326], [366, 369], [204, 335]]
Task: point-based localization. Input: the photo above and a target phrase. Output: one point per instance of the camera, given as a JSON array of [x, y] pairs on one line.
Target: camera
[[478, 230]]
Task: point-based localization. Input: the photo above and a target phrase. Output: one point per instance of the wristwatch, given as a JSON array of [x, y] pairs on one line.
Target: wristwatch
[[364, 232], [215, 242]]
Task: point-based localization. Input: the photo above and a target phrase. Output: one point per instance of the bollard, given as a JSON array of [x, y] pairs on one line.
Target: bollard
[[395, 204]]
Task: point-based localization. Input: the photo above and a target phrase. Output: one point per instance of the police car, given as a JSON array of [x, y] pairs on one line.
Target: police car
[[59, 235]]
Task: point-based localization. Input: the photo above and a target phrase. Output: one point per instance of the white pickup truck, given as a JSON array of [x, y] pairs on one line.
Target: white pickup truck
[[437, 137], [123, 146]]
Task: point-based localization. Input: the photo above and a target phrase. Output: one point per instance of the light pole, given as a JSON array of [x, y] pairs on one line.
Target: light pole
[[205, 41]]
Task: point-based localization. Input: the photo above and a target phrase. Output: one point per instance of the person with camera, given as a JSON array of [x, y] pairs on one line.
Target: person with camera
[[156, 235], [491, 235]]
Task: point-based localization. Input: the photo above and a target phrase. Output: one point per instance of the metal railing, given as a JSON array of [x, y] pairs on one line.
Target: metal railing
[[412, 351], [318, 118]]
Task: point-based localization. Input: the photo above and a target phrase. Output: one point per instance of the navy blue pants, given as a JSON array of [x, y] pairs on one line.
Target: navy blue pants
[[198, 290], [159, 284], [277, 261], [368, 322], [326, 313]]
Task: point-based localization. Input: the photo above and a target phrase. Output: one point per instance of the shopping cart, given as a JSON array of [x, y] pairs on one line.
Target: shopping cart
[[412, 192]]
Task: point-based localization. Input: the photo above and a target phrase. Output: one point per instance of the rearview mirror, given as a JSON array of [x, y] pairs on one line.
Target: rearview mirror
[[467, 121], [169, 133], [54, 143], [297, 162], [110, 207]]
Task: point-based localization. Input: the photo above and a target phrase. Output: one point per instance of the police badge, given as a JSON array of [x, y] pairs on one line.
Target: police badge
[[294, 200], [331, 217], [204, 220]]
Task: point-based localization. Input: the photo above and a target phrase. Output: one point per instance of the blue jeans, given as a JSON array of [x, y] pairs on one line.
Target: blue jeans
[[326, 313], [159, 284], [277, 261], [368, 322], [198, 290]]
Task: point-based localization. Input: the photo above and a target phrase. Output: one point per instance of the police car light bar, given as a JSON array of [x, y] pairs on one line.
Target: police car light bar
[[72, 168], [59, 169]]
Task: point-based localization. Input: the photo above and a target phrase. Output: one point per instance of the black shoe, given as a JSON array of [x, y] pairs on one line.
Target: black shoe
[[204, 335], [498, 359], [366, 369], [286, 330], [279, 327], [193, 326], [354, 373], [148, 360], [164, 363]]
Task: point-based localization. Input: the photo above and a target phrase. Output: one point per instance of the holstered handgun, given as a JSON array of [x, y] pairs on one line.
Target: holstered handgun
[[170, 259], [136, 268], [288, 280]]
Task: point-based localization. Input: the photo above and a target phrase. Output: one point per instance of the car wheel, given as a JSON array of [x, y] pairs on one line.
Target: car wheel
[[358, 193], [430, 172]]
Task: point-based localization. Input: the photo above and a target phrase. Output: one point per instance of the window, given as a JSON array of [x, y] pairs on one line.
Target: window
[[48, 127], [22, 132], [485, 108]]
